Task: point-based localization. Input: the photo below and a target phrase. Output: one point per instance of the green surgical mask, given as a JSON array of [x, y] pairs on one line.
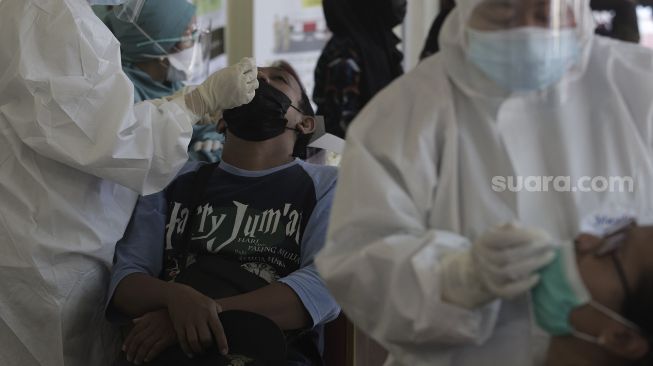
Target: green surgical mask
[[560, 291]]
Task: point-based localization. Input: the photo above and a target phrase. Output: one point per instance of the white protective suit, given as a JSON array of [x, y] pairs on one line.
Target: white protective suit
[[416, 185], [74, 154]]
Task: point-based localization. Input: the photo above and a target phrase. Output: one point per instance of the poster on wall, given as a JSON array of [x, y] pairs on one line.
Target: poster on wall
[[212, 19], [291, 30]]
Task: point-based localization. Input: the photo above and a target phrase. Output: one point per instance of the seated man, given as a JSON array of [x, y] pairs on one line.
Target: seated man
[[262, 209], [622, 282]]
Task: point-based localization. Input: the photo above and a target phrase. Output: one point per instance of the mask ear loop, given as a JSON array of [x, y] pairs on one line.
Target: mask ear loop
[[302, 138], [297, 130], [585, 337], [609, 313], [606, 310], [297, 109], [613, 315]]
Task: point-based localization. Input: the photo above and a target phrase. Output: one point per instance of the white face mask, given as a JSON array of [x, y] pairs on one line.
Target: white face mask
[[106, 2], [523, 59], [181, 65]]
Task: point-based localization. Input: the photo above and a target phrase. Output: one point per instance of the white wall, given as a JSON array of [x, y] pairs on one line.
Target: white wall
[[419, 18], [240, 29]]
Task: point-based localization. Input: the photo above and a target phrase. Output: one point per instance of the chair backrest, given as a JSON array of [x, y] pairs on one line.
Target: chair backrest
[[345, 345], [339, 342]]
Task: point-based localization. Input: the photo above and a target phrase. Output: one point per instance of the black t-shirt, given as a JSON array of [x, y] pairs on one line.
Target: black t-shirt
[[256, 221]]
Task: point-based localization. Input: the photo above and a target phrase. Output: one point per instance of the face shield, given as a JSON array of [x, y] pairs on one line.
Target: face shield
[[129, 10], [188, 58], [164, 29], [524, 45]]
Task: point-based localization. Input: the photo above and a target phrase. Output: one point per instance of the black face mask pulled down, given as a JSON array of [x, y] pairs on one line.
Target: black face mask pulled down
[[261, 119]]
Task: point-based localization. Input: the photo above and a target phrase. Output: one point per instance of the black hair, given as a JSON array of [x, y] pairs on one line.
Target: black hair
[[301, 149], [305, 104]]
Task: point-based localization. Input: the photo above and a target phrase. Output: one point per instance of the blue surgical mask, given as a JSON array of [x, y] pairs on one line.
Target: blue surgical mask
[[560, 291], [523, 59]]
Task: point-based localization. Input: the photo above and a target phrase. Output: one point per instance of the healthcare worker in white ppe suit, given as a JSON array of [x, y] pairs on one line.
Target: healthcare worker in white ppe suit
[[431, 250], [75, 152]]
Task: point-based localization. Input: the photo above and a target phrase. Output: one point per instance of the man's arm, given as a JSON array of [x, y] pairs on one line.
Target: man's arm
[[140, 293], [140, 251], [277, 301], [194, 316], [135, 288]]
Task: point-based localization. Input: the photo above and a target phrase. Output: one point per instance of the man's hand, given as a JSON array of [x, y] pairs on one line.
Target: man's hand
[[195, 320], [152, 333]]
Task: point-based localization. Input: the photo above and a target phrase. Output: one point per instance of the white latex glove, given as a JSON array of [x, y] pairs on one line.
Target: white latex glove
[[502, 263], [227, 88]]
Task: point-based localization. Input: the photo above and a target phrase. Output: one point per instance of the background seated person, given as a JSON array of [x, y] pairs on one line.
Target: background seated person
[[621, 281], [263, 209], [157, 53]]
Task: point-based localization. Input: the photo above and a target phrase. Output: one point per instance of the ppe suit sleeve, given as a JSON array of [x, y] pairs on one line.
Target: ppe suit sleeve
[[381, 260], [141, 248], [306, 282], [69, 100]]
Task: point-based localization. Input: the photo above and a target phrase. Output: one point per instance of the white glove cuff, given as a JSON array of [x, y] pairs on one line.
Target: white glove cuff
[[460, 282], [181, 102]]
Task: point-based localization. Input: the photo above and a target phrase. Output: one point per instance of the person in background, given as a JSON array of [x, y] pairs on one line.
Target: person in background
[[155, 51], [360, 59], [75, 152], [464, 183], [269, 213]]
